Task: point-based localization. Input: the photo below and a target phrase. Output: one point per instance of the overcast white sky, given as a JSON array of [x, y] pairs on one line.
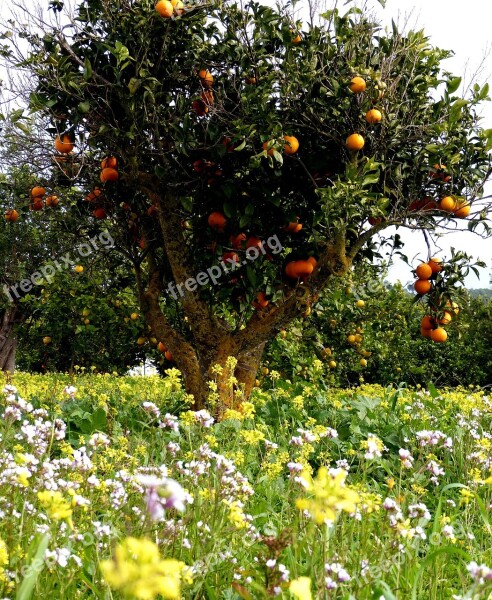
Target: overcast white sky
[[463, 27]]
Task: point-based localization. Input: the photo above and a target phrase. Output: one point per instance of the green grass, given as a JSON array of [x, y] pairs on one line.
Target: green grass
[[415, 528]]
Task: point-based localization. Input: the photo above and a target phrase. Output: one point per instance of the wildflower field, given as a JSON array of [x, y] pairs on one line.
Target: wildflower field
[[113, 488]]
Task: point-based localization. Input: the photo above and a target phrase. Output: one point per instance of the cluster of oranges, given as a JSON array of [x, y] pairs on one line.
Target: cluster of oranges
[[37, 201], [355, 141], [202, 105], [163, 348], [432, 325], [109, 169], [168, 8]]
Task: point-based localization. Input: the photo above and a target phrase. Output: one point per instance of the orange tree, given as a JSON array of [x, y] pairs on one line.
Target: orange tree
[[221, 136]]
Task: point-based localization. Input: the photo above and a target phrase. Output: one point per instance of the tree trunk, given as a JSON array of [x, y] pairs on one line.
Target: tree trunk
[[8, 342]]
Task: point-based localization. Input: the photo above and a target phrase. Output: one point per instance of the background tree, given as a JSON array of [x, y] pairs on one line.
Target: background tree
[[231, 125]]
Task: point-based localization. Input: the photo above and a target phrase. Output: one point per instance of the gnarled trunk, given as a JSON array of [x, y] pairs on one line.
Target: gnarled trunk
[[8, 342]]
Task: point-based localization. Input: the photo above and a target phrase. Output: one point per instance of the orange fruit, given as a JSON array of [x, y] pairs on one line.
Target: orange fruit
[[297, 39], [435, 264], [294, 227], [357, 85], [206, 78], [427, 322], [462, 210], [261, 301], [110, 162], [373, 116], [355, 142], [269, 147], [424, 271], [91, 196], [164, 8], [178, 6], [363, 362], [161, 347], [109, 174], [37, 204], [292, 144], [168, 355], [52, 201], [216, 220], [422, 286], [99, 213], [313, 261], [332, 364], [64, 144], [12, 215], [448, 204], [425, 332], [38, 192], [199, 107], [446, 318], [439, 335], [299, 268]]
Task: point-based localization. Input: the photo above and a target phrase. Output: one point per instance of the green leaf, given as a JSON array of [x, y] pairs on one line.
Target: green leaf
[[84, 107], [241, 146], [87, 69], [134, 84], [34, 569], [453, 84]]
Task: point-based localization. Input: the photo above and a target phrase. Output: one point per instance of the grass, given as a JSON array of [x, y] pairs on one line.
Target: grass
[[114, 487]]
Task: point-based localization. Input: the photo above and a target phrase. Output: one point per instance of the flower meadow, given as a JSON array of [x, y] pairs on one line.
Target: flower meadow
[[114, 487]]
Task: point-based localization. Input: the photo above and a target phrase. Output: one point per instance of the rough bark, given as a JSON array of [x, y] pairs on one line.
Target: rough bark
[[208, 341], [8, 342]]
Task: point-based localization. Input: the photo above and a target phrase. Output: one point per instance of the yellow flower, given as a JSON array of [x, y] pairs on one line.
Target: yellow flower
[[138, 571], [236, 515], [247, 409], [4, 554], [330, 496], [230, 413], [57, 508], [252, 436], [301, 588], [390, 483]]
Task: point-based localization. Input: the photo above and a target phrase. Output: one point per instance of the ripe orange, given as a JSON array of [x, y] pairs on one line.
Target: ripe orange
[[446, 318], [269, 147], [38, 204], [110, 162], [332, 364], [178, 6], [313, 261], [168, 355], [206, 78], [161, 347], [91, 196], [462, 210], [351, 339], [294, 227], [427, 322], [297, 39], [423, 271], [425, 332], [299, 268], [355, 142], [164, 8], [373, 116], [52, 201], [292, 144], [261, 301], [78, 269], [12, 215], [38, 192], [199, 107], [99, 213], [439, 335], [422, 286], [216, 220], [109, 174], [64, 144], [237, 240], [435, 264], [363, 362], [448, 204], [357, 85]]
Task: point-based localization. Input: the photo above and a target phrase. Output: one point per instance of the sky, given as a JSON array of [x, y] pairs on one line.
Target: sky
[[463, 27]]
